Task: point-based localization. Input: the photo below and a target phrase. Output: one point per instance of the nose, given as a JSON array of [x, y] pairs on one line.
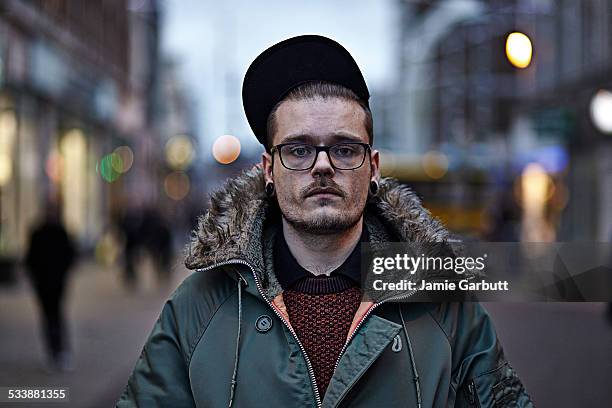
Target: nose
[[322, 166]]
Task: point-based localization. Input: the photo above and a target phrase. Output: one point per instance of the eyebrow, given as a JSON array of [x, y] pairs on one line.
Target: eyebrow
[[335, 137]]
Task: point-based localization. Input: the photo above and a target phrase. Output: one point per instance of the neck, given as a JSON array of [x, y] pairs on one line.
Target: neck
[[321, 254]]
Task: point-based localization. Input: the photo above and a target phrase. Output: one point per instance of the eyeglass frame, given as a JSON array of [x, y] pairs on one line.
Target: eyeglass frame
[[276, 148]]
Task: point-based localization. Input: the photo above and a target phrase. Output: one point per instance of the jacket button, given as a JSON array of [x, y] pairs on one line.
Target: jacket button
[[263, 324]]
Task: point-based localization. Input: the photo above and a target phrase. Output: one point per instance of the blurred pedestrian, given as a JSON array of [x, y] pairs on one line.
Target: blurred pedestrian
[[157, 239], [504, 217], [131, 225], [50, 255]]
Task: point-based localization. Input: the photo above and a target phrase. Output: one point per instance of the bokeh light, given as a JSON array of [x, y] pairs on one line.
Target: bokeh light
[[179, 152], [536, 186], [6, 168], [435, 164], [126, 156], [107, 165], [73, 149], [601, 110], [177, 185], [519, 49], [8, 127], [387, 163], [226, 149]]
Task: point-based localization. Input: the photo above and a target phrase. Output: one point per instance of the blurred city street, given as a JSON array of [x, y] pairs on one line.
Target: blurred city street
[[119, 118], [107, 324]]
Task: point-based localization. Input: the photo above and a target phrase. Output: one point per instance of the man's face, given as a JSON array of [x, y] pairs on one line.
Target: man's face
[[321, 122]]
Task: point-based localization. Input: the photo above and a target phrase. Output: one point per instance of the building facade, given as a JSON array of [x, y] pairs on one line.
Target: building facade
[[75, 83], [490, 119]]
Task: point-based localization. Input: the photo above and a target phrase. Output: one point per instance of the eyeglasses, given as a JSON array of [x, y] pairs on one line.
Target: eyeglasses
[[302, 156]]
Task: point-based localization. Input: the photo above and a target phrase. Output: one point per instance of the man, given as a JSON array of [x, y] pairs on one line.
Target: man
[[50, 255], [274, 315]]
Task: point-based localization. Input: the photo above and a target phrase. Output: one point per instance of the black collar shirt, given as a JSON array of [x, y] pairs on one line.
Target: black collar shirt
[[289, 272]]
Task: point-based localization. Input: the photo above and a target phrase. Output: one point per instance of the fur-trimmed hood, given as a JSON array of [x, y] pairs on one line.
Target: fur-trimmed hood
[[236, 226]]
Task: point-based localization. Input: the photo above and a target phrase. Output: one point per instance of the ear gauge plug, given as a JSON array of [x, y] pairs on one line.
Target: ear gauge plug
[[269, 189], [373, 188]]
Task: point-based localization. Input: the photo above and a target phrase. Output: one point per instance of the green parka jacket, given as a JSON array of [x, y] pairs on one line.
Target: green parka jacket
[[224, 337]]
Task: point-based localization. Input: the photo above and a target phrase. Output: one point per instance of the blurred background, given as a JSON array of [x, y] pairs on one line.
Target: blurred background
[[117, 117]]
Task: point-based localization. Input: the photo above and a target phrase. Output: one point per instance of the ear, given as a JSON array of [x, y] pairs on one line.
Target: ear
[[268, 163], [375, 165]]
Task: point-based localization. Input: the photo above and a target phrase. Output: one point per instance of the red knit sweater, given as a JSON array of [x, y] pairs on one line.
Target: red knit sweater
[[321, 310]]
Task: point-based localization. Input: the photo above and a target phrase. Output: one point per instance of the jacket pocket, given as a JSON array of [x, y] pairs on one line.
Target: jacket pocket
[[471, 395], [499, 388]]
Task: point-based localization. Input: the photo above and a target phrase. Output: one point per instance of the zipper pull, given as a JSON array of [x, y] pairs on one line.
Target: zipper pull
[[397, 344], [472, 394]]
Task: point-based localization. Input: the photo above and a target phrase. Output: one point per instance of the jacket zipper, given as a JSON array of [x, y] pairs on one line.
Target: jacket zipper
[[363, 319], [365, 316], [258, 284], [472, 394]]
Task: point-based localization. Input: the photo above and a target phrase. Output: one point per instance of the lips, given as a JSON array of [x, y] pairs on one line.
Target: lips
[[326, 190]]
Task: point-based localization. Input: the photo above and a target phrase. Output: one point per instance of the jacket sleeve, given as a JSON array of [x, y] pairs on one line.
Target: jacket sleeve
[[482, 377], [160, 377]]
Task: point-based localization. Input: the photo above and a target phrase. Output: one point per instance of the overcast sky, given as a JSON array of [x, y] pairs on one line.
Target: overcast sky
[[215, 42]]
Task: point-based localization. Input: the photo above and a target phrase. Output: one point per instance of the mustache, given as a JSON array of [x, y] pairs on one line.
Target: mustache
[[326, 183]]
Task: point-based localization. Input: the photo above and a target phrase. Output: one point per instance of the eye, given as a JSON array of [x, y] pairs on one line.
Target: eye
[[344, 151], [300, 151]]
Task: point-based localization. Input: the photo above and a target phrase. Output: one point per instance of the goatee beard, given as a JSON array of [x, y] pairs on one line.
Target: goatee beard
[[324, 225]]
